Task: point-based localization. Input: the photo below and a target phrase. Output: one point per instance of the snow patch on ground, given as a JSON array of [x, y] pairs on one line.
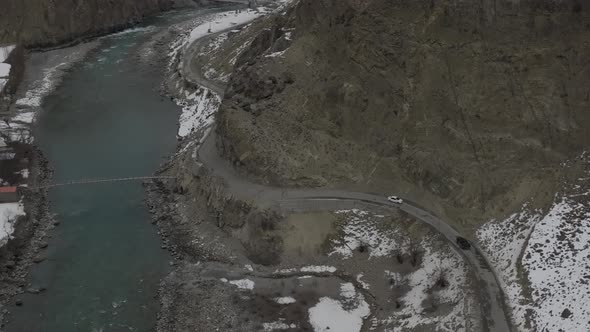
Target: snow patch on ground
[[238, 51], [318, 269], [9, 212], [197, 111], [308, 269], [361, 230], [7, 155], [284, 4], [25, 117], [359, 279], [285, 300], [342, 316], [243, 283], [347, 290], [557, 261], [34, 96], [24, 173], [223, 21], [280, 325], [15, 132], [4, 73], [276, 54], [5, 52], [413, 313], [4, 70], [210, 74]]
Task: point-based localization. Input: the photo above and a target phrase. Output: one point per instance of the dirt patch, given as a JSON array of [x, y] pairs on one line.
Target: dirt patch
[[306, 234]]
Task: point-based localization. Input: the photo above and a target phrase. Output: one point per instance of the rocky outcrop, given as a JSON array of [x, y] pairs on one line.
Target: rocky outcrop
[[466, 107], [17, 61], [42, 23], [200, 220]]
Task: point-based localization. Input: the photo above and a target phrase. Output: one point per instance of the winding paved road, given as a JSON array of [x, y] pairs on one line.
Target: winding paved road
[[190, 70], [494, 311]]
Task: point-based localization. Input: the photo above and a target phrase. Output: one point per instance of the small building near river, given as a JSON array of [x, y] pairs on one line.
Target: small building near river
[[9, 195]]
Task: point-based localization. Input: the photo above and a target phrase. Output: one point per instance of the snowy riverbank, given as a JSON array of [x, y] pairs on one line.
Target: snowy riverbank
[[42, 74], [9, 213], [5, 52], [199, 104]]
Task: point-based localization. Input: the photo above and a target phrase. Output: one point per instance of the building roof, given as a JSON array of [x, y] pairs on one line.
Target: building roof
[[7, 189]]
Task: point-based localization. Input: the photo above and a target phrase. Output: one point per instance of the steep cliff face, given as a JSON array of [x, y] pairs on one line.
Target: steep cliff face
[[466, 106], [49, 22]]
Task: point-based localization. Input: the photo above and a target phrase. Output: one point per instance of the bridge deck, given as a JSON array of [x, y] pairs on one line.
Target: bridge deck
[[92, 181]]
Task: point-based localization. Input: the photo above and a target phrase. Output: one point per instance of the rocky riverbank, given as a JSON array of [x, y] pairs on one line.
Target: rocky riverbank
[[30, 238], [29, 169]]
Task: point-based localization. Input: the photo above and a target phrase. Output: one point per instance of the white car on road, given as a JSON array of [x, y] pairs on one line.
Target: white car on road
[[395, 199]]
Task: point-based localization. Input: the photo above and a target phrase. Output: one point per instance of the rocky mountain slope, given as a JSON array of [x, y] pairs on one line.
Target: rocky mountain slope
[[41, 23], [466, 107]]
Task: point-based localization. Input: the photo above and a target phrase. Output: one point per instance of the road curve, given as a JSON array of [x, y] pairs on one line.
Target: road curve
[[193, 75], [494, 311], [191, 71]]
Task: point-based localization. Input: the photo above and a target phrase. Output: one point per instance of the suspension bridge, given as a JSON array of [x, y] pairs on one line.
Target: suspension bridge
[[101, 180]]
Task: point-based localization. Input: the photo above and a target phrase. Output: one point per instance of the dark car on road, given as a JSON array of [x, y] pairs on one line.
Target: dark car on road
[[463, 243]]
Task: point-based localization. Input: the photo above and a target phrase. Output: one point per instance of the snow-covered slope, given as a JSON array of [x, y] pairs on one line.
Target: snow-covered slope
[[224, 21], [543, 260], [5, 51], [4, 67], [9, 212]]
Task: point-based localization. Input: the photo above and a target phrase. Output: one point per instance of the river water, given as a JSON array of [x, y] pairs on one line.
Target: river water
[[104, 260]]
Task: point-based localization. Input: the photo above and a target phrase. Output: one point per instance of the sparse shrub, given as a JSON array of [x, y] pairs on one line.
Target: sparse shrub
[[399, 257], [415, 252], [396, 280], [363, 247], [441, 281], [577, 7], [440, 277]]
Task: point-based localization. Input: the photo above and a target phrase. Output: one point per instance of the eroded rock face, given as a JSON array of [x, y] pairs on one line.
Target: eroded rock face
[[38, 23], [474, 104]]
